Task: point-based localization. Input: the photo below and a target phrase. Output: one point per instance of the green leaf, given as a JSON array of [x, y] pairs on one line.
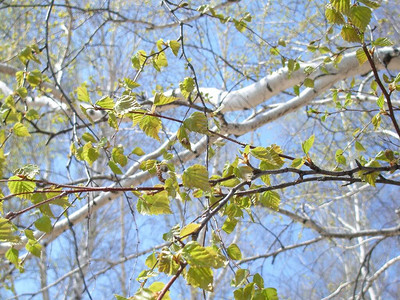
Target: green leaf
[[34, 78], [161, 99], [138, 151], [234, 252], [105, 102], [187, 86], [306, 146], [151, 260], [361, 56], [89, 153], [125, 104], [130, 83], [229, 225], [29, 171], [18, 185], [199, 256], [167, 262], [270, 159], [340, 157], [151, 126], [197, 122], [370, 3], [270, 294], [175, 46], [146, 274], [114, 167], [258, 280], [139, 59], [369, 176], [156, 204], [118, 297], [82, 94], [382, 42], [296, 90], [359, 146], [160, 61], [308, 82], [349, 34], [376, 121], [297, 163], [34, 247], [201, 277], [189, 229], [360, 16], [88, 137], [241, 277], [19, 129], [7, 231], [270, 199], [196, 177], [380, 101], [44, 224], [342, 6], [183, 137], [12, 255], [118, 156], [32, 114]]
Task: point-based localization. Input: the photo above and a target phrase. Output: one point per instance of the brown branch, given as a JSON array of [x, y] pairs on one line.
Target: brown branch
[[171, 282], [381, 86]]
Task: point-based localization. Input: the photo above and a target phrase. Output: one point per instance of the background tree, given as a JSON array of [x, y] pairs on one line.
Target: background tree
[[199, 149]]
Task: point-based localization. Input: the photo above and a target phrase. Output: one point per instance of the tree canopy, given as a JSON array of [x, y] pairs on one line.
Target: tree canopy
[[199, 149]]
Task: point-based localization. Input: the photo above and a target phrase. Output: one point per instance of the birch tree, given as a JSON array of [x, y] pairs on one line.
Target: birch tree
[[195, 149]]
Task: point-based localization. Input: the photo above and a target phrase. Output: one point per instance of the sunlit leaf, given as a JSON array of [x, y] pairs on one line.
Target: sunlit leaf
[[241, 277], [105, 102], [307, 144], [187, 86], [17, 185], [201, 277], [196, 177], [29, 171], [360, 16], [154, 204], [7, 231], [234, 252], [161, 99], [125, 104], [151, 126], [20, 129], [175, 46], [189, 229], [138, 151], [44, 224], [349, 34], [270, 199], [82, 94]]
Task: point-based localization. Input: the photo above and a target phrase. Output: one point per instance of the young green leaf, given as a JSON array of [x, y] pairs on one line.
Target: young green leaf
[[175, 46], [196, 177], [21, 186], [20, 130], [307, 144], [105, 102], [156, 204], [44, 224], [189, 229], [201, 277], [234, 252], [187, 86], [197, 122]]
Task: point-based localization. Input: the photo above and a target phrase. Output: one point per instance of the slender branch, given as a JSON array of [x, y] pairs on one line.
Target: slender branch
[[383, 89]]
